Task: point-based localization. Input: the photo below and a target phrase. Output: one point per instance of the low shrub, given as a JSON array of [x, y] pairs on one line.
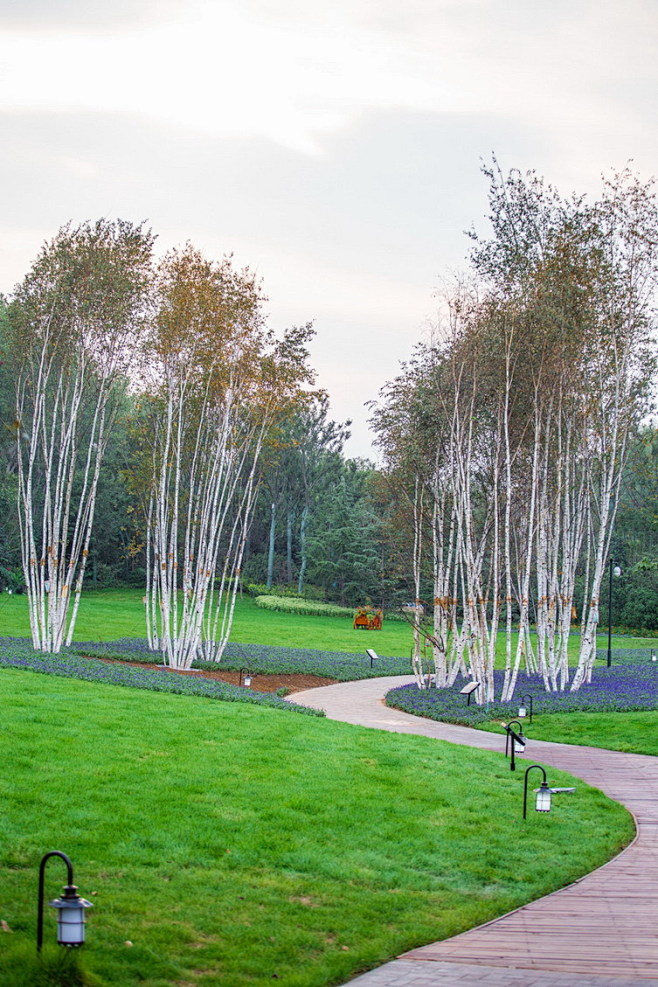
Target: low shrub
[[261, 589], [18, 653], [278, 660], [308, 607], [618, 689], [261, 659]]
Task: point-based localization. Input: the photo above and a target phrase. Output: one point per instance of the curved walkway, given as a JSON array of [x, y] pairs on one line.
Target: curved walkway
[[601, 931]]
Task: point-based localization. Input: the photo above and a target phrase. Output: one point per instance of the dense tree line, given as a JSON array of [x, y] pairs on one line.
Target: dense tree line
[[148, 410], [510, 433], [155, 433]]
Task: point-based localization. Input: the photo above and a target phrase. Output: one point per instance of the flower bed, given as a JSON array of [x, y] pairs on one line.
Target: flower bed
[[17, 653], [263, 659], [617, 689]]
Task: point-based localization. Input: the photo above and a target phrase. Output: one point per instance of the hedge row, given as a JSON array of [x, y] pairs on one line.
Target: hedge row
[[311, 608]]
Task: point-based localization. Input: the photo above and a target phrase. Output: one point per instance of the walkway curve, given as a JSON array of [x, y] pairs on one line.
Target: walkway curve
[[601, 931]]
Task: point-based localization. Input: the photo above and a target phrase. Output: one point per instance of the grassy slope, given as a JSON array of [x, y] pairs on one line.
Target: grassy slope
[[635, 733], [232, 844], [112, 614]]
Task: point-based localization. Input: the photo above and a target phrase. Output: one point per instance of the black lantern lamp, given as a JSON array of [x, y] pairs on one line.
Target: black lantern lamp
[[653, 655], [247, 677], [543, 793], [70, 908], [514, 742], [526, 707]]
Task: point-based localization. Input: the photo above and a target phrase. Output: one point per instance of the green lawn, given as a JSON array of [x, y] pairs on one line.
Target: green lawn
[[635, 733], [111, 614], [237, 845]]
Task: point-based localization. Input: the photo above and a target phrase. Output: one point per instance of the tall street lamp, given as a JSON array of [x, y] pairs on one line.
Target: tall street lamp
[[614, 571]]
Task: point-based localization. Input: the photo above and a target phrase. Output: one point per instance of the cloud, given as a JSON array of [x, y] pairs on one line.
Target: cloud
[[78, 15], [333, 146], [294, 73]]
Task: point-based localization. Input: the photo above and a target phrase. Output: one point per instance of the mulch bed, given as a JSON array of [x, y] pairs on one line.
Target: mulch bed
[[259, 683]]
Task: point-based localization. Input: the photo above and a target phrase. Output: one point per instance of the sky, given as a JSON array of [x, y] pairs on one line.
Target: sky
[[335, 148]]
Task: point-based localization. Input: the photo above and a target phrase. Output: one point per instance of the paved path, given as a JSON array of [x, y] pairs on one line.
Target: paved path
[[601, 931]]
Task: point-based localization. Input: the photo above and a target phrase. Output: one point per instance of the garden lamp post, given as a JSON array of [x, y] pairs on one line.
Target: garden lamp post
[[70, 907], [523, 707], [514, 742], [543, 799], [653, 655], [614, 571], [247, 677]]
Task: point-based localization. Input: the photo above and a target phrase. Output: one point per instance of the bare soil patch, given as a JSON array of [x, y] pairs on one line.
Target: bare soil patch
[[259, 683]]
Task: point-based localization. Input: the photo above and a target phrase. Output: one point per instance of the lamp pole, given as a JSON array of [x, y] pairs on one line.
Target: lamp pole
[[543, 801], [511, 741], [614, 570], [70, 916]]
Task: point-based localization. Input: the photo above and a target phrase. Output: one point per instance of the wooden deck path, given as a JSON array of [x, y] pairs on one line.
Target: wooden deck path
[[601, 930]]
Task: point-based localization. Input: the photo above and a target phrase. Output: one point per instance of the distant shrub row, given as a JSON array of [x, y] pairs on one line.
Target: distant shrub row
[[295, 605], [261, 589], [312, 608]]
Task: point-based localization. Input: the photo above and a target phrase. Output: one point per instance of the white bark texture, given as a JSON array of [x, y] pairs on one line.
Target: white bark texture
[[74, 321]]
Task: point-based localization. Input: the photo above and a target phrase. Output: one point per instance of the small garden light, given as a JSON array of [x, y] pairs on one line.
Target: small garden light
[[524, 707], [653, 654], [468, 690], [514, 742], [247, 677], [70, 907], [543, 799]]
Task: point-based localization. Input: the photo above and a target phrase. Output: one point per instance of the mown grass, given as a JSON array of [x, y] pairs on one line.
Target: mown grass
[[112, 614], [634, 733], [237, 845]]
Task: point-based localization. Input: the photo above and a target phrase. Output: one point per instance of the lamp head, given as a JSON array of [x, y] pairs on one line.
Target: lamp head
[[543, 800], [70, 917]]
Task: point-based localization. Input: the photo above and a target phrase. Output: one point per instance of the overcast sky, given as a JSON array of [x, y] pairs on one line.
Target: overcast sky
[[334, 147]]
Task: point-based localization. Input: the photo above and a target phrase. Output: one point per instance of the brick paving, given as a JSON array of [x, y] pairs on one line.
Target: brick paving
[[601, 931]]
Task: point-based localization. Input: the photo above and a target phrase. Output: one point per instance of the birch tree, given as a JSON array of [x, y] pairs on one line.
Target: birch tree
[[517, 422], [74, 322], [219, 380]]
